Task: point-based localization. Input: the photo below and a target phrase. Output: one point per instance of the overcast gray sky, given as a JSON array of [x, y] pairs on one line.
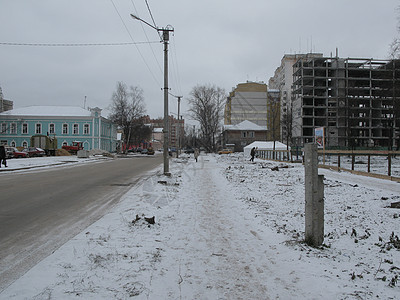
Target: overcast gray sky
[[221, 42]]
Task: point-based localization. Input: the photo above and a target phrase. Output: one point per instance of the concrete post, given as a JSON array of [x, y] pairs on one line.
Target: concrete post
[[314, 198]]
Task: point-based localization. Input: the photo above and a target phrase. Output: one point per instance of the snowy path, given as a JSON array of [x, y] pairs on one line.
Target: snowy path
[[220, 251], [214, 245]]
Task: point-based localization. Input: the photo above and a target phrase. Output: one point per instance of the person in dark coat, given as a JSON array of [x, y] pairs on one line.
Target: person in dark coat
[[3, 156], [252, 153], [196, 154]]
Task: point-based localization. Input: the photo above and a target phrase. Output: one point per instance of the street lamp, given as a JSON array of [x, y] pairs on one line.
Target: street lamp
[[165, 39]]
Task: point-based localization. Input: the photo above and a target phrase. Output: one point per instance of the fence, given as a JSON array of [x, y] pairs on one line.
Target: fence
[[375, 163], [279, 155], [372, 163]]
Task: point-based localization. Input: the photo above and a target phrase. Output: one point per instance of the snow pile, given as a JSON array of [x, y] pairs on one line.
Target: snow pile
[[226, 228], [35, 163]]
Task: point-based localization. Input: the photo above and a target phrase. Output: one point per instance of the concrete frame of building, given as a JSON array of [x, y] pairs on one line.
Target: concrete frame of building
[[356, 100], [283, 81]]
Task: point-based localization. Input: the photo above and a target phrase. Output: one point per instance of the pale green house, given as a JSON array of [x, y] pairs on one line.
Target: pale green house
[[66, 123]]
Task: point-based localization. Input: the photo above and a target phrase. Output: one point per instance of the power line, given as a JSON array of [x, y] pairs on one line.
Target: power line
[[75, 44], [140, 53], [176, 68], [147, 38], [152, 18]]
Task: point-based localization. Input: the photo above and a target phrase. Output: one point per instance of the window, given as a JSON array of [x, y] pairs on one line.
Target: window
[[65, 129], [13, 144], [13, 128], [76, 128], [25, 144], [247, 134], [52, 128], [86, 129], [38, 128], [65, 144], [24, 128], [3, 128]]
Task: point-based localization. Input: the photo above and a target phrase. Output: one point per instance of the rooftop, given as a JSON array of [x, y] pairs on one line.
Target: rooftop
[[47, 111], [245, 125]]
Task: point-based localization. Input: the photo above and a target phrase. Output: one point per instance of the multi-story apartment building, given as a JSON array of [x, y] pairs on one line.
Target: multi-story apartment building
[[176, 129], [356, 100], [248, 101], [254, 102]]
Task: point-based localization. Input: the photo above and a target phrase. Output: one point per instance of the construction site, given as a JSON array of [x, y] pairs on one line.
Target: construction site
[[355, 101]]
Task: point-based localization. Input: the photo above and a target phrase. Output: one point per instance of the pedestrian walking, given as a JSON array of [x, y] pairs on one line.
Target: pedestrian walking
[[196, 154], [3, 156], [252, 153]]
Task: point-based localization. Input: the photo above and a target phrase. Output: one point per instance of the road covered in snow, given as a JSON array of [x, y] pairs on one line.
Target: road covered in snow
[[226, 228]]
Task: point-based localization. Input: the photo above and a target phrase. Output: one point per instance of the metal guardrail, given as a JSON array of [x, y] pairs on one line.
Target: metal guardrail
[[296, 155]]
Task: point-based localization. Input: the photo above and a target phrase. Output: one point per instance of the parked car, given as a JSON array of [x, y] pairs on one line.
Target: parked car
[[144, 151], [225, 151], [12, 152], [189, 150], [34, 151], [19, 154]]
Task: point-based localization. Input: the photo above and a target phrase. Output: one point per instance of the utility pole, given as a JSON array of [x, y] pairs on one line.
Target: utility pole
[[178, 129], [166, 116], [165, 39]]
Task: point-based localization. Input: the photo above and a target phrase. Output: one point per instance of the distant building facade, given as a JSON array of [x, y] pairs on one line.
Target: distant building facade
[[240, 135], [66, 123], [176, 130], [248, 101], [5, 104]]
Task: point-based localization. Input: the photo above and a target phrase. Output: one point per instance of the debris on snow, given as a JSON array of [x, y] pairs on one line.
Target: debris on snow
[[395, 205]]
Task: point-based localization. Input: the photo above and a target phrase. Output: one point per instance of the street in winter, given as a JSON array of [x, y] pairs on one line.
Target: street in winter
[[211, 150], [227, 228]]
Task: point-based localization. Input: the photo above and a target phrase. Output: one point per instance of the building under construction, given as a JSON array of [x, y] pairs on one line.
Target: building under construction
[[355, 100]]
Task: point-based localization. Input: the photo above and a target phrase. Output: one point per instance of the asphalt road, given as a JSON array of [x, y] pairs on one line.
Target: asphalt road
[[40, 211]]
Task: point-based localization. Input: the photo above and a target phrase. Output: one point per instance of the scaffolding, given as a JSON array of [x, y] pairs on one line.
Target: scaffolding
[[356, 101]]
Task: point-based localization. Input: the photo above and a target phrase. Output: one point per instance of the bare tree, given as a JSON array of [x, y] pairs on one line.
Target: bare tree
[[287, 124], [273, 118], [139, 131], [394, 47], [206, 107], [126, 108]]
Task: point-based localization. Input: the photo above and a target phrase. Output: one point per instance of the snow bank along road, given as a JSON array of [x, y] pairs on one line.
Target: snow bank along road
[[226, 228], [41, 210]]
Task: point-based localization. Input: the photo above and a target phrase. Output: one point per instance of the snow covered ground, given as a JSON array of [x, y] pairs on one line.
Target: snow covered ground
[[226, 228], [38, 163]]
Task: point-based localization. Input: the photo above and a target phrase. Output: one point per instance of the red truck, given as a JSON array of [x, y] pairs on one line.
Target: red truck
[[74, 148]]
